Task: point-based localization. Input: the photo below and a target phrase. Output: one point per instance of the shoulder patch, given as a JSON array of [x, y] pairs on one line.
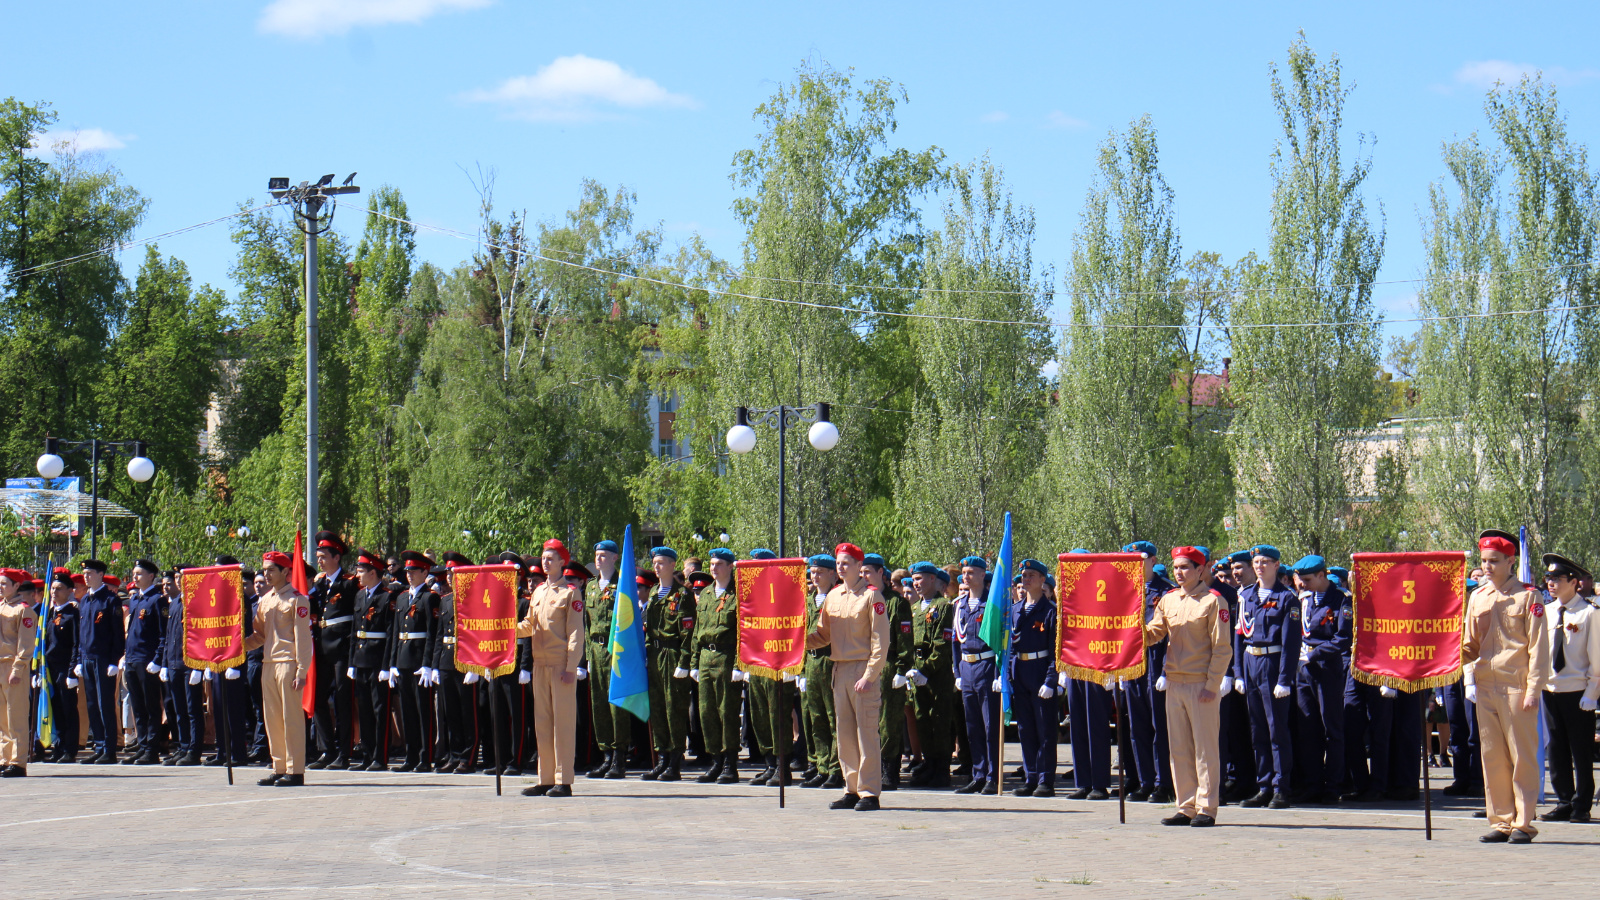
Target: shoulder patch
[[878, 607], [905, 627], [302, 611], [1537, 609], [1223, 614], [27, 622], [1294, 612], [577, 605]]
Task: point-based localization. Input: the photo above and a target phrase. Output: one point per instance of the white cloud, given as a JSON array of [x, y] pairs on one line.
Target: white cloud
[[1059, 119], [79, 140], [1486, 73], [994, 117], [579, 88], [322, 18]]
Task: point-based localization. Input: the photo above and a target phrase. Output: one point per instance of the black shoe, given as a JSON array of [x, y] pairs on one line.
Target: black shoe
[[808, 774], [712, 774], [408, 766], [848, 801], [1561, 813], [891, 776], [13, 772], [815, 781], [1260, 800], [215, 761], [1453, 789], [1177, 819], [1044, 790], [560, 790], [601, 766], [766, 774], [538, 790], [189, 759], [1494, 837], [1521, 837], [148, 758], [867, 804], [730, 772], [991, 788], [1163, 795], [1579, 817], [447, 767], [1139, 795], [1402, 794], [1326, 798], [291, 781], [971, 787], [320, 762], [512, 772], [1079, 794], [655, 772], [834, 781], [1479, 814], [1370, 795], [1202, 821], [674, 768], [270, 780], [1022, 790], [340, 762], [619, 765], [93, 759], [1098, 794], [132, 759], [171, 759], [1280, 800]]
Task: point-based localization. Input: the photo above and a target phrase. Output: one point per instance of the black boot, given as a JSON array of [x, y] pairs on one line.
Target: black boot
[[619, 765], [712, 773], [765, 775], [891, 775], [602, 766], [674, 768], [730, 774], [657, 769]]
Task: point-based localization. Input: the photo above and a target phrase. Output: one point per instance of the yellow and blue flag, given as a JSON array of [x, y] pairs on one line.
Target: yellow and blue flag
[[46, 722], [630, 677], [996, 628]]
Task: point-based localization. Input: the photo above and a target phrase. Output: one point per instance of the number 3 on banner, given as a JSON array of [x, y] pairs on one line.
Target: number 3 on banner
[[1410, 595]]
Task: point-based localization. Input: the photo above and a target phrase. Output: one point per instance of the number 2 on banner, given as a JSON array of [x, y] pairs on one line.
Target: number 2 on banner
[[1100, 592], [1410, 595]]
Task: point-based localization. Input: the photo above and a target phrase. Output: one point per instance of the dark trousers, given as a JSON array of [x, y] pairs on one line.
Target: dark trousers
[[1238, 754], [1089, 722], [1319, 738], [1571, 749], [415, 715], [333, 701], [371, 697], [500, 719], [982, 709], [144, 697], [1368, 721], [1463, 717], [453, 728], [1037, 719], [100, 690], [1269, 722], [64, 709], [230, 705], [258, 721], [189, 702], [1405, 743], [1144, 737]]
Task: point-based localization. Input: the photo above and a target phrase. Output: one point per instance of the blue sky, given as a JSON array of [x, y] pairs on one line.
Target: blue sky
[[199, 102]]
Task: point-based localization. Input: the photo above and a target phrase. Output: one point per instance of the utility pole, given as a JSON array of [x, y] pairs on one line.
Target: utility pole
[[307, 201]]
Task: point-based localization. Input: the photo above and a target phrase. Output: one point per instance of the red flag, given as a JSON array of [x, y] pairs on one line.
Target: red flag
[[297, 580], [213, 618], [1100, 620], [772, 615], [486, 619], [1408, 610]]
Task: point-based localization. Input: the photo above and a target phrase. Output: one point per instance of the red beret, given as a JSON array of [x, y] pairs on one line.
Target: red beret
[[560, 550], [850, 550], [277, 558], [1192, 554], [1497, 540], [17, 576]]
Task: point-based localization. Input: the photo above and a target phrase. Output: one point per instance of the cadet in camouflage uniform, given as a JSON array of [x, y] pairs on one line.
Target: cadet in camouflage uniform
[[668, 626], [898, 660], [821, 722], [933, 680], [764, 706], [715, 649], [613, 725]]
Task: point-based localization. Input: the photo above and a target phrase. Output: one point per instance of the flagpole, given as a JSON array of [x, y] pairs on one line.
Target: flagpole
[[1427, 790], [1122, 771], [222, 713]]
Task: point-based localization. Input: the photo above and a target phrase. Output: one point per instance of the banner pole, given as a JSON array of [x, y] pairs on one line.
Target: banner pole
[[222, 716], [778, 738], [494, 731], [1122, 772], [1427, 790], [1000, 748]]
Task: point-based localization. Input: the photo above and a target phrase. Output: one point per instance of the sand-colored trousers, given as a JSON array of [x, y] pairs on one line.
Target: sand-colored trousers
[[1510, 748], [859, 753], [285, 719], [13, 720], [555, 724], [1192, 736]]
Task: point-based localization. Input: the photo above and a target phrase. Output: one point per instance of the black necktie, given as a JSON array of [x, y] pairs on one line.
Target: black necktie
[[1561, 639]]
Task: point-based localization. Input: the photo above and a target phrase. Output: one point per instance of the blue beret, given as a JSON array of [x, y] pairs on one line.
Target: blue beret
[[724, 554], [974, 562], [1016, 579], [943, 576], [925, 568], [1035, 565], [1472, 585], [1267, 550], [762, 553], [1145, 547], [1077, 550], [606, 545], [1240, 556], [1204, 551], [1050, 582], [668, 552], [820, 561], [874, 559], [1309, 565], [1160, 570]]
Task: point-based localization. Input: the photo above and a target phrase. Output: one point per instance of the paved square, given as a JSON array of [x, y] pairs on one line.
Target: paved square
[[93, 831]]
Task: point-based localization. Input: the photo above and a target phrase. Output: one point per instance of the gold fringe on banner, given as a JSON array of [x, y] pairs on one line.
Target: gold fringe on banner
[[232, 662], [484, 672], [1079, 673], [1403, 684], [771, 674]]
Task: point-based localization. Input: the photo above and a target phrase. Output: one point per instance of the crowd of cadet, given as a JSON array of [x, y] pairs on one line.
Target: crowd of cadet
[[1247, 695]]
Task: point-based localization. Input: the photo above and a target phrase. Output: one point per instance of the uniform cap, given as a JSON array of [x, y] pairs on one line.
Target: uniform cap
[[698, 580], [1556, 564], [370, 560], [277, 558], [668, 552], [1034, 565], [646, 578], [724, 554], [1142, 547], [607, 545], [415, 559], [975, 562], [576, 571], [1495, 539], [331, 541], [28, 584], [1077, 550], [559, 549], [823, 561], [874, 559], [943, 576], [17, 576], [1472, 585], [762, 553], [113, 581], [1192, 554], [925, 568], [850, 550], [1240, 556], [95, 565], [148, 565], [1205, 550], [1267, 550], [453, 559], [226, 560], [62, 576], [1309, 565]]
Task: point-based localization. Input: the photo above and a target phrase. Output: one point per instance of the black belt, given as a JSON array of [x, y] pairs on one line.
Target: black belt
[[660, 644], [821, 653]]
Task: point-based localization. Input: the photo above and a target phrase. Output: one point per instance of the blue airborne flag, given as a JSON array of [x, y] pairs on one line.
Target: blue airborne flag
[[996, 628], [630, 676], [45, 722]]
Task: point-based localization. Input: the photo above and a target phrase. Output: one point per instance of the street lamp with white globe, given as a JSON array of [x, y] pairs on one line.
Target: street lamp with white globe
[[823, 435], [140, 469]]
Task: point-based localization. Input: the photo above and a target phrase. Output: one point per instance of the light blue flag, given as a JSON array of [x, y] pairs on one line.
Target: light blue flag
[[630, 676], [1525, 575], [45, 722], [996, 628]]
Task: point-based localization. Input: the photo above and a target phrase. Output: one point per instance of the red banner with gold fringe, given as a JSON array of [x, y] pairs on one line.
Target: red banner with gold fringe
[[772, 615], [486, 619], [213, 617], [1408, 609], [1100, 619]]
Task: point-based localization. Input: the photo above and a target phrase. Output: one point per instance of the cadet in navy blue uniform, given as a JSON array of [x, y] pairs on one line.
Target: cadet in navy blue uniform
[[230, 689], [259, 752], [367, 667], [1238, 755], [976, 673], [1146, 714], [455, 747], [1269, 638], [1089, 724], [1325, 629], [141, 668], [183, 685], [60, 648], [333, 631], [1033, 680], [410, 635]]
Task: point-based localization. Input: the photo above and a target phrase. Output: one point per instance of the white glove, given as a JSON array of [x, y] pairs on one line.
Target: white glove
[[694, 675], [77, 670], [1388, 693], [917, 678], [394, 675], [1046, 692], [72, 682], [112, 670], [208, 675], [735, 675], [472, 677], [1161, 682], [37, 681], [1472, 693], [801, 684], [194, 675], [231, 674], [1280, 691], [582, 673], [152, 668], [433, 677], [1114, 684], [680, 672], [958, 682], [350, 673], [383, 675], [787, 676], [524, 676], [1588, 705], [899, 681], [1238, 685], [994, 686], [161, 674], [1227, 684]]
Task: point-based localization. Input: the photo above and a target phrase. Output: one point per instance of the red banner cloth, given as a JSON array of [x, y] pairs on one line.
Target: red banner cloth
[[486, 618], [213, 617], [1100, 618], [297, 580], [772, 615], [1408, 618]]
